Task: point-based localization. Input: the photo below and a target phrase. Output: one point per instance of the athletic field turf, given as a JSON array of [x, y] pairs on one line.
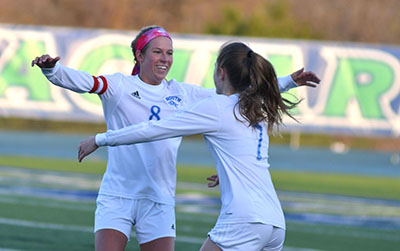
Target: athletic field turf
[[48, 204]]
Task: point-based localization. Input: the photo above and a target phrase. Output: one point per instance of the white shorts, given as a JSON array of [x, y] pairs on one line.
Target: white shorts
[[247, 236], [151, 220]]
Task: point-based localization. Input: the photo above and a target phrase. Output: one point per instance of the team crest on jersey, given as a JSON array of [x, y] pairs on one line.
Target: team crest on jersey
[[174, 101]]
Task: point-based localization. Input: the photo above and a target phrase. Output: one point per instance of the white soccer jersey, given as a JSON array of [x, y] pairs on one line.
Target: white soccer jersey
[[240, 153], [143, 170]]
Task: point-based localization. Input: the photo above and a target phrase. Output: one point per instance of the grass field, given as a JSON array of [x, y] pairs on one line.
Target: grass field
[[48, 204]]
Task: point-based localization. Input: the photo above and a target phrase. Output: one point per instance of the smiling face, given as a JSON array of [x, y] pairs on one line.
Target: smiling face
[[156, 61]]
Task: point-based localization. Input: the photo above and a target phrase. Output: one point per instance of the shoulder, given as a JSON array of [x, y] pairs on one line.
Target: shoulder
[[115, 76], [118, 78]]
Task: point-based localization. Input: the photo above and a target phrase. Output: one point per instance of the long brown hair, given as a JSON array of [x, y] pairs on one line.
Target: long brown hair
[[254, 78]]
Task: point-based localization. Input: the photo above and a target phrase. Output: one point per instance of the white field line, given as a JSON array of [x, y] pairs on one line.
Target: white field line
[[86, 229], [53, 178], [86, 207], [43, 225], [49, 204]]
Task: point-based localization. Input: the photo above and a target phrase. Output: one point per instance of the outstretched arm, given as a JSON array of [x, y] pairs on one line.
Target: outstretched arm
[[202, 117], [74, 80]]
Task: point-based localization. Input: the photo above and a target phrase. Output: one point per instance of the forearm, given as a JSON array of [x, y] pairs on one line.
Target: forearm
[[201, 118], [77, 81], [133, 134]]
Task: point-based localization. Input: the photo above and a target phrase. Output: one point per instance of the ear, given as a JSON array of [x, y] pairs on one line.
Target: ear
[[222, 73], [139, 56]]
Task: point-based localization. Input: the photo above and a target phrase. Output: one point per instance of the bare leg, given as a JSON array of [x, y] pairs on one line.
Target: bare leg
[[110, 240], [209, 245], [160, 244]]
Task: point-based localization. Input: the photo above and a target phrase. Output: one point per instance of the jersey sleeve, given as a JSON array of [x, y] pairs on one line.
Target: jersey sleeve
[[286, 83], [75, 80], [200, 118]]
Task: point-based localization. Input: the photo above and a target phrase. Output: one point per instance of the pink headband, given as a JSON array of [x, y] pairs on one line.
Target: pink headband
[[144, 39]]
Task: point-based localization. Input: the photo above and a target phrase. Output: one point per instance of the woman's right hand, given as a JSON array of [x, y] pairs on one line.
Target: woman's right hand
[[45, 61]]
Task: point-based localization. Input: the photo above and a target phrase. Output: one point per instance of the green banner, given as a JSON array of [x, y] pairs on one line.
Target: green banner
[[359, 92]]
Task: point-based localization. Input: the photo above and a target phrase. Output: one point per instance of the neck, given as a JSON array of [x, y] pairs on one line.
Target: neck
[[227, 89], [148, 81]]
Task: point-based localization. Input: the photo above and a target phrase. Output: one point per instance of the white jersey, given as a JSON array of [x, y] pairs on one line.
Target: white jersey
[[240, 153], [145, 170]]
